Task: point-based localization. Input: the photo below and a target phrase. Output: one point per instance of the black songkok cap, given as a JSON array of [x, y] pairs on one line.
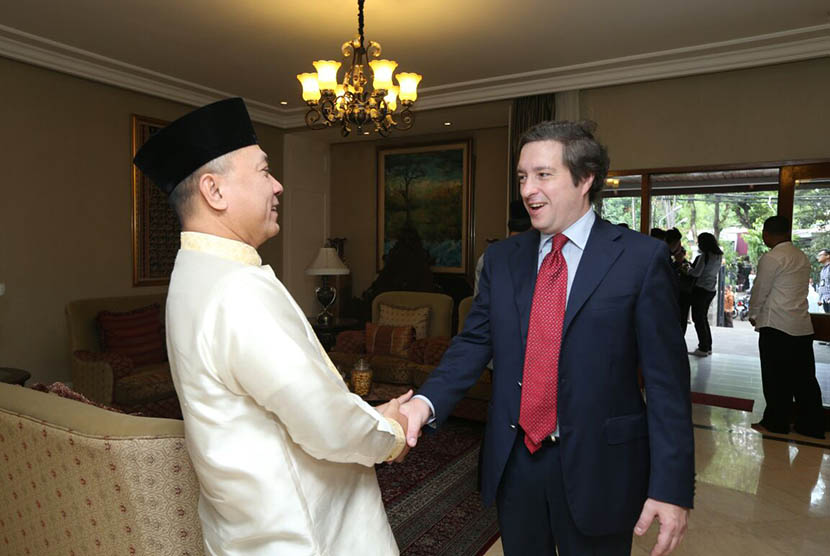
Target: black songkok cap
[[176, 151]]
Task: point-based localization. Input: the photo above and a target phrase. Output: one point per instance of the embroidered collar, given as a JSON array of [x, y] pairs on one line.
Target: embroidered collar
[[221, 247]]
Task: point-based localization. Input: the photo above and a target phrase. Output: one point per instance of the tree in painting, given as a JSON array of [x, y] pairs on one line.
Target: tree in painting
[[424, 191]]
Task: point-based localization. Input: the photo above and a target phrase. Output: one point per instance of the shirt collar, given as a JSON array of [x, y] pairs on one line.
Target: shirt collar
[[221, 247], [577, 232]]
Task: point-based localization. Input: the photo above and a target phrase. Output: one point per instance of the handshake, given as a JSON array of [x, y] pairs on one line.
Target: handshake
[[411, 414]]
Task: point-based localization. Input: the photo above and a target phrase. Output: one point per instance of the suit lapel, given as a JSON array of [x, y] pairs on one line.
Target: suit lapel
[[523, 261], [600, 253]]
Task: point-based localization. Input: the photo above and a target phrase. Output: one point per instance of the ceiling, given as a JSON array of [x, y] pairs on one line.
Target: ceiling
[[469, 51]]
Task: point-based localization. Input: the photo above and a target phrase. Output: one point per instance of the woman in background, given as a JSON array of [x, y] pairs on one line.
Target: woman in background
[[705, 270]]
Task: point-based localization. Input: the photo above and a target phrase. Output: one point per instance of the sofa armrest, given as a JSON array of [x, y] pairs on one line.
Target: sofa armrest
[[351, 341], [94, 374]]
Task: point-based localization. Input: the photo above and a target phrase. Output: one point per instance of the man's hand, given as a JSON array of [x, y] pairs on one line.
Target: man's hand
[[752, 322], [672, 524], [418, 413], [392, 410]]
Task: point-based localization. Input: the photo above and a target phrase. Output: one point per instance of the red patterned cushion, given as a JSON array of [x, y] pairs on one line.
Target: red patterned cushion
[[435, 349], [350, 341], [65, 391], [138, 334], [428, 351], [416, 350], [388, 340]]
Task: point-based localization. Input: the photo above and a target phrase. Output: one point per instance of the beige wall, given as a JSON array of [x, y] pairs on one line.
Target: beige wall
[[305, 220], [354, 194], [762, 114], [66, 205]]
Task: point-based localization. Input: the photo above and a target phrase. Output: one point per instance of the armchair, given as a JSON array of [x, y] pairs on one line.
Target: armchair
[[84, 480], [118, 378], [474, 404], [423, 355], [396, 369]]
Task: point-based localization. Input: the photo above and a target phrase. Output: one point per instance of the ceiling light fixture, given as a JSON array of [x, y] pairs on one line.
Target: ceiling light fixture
[[352, 103]]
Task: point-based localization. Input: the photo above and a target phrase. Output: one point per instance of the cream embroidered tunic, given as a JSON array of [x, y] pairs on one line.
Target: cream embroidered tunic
[[284, 453]]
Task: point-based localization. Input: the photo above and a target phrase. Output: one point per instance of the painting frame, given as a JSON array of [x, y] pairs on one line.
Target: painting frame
[[445, 162], [155, 226]]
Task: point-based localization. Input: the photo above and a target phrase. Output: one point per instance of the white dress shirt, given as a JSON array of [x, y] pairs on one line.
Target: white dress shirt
[[284, 453], [779, 294]]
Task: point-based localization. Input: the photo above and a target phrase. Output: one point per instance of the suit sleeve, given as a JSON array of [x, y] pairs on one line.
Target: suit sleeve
[[468, 354], [263, 351], [665, 366]]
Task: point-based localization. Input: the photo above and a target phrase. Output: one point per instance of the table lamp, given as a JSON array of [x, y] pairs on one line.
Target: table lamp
[[327, 263]]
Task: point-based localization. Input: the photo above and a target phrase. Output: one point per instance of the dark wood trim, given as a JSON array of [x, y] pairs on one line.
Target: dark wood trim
[[645, 203], [718, 167], [786, 192], [811, 171]]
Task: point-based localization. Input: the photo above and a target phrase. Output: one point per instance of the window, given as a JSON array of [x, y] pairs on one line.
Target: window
[[620, 202], [811, 231]]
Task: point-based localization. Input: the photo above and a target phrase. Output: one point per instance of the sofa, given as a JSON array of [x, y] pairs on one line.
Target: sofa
[[411, 369], [132, 373], [82, 480]]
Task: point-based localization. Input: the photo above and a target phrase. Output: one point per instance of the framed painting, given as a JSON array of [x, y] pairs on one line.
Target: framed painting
[[427, 188], [155, 225]]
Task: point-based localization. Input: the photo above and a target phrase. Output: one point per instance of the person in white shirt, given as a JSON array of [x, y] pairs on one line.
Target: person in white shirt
[[284, 453], [778, 311]]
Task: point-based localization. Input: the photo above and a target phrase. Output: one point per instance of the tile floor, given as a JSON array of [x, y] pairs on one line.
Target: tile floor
[[756, 495]]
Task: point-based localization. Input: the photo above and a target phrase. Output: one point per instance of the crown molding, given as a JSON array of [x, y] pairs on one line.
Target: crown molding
[[60, 57], [774, 48]]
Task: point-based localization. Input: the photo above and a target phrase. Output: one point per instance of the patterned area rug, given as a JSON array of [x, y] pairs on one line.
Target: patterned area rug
[[432, 499]]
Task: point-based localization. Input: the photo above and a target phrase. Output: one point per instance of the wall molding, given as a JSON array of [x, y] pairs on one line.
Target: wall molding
[[774, 48]]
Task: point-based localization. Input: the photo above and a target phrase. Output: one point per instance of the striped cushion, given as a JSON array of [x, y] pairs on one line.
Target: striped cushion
[[388, 340], [417, 317], [137, 334]]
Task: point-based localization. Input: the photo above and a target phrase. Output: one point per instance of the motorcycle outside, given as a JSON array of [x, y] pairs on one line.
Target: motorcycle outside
[[741, 308]]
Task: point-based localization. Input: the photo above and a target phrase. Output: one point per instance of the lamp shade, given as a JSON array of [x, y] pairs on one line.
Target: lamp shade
[[327, 263], [382, 73], [391, 98], [311, 88], [327, 74], [408, 86]]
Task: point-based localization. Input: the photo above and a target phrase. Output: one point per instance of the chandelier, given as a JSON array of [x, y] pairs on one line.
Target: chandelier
[[352, 104]]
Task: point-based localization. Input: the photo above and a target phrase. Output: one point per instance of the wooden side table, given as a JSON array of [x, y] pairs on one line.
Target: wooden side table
[[327, 334], [10, 375]]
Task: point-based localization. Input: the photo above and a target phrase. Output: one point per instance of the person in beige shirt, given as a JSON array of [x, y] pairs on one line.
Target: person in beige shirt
[[778, 311], [284, 453]]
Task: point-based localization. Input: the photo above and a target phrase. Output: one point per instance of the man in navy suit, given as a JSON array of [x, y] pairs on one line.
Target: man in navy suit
[[574, 457]]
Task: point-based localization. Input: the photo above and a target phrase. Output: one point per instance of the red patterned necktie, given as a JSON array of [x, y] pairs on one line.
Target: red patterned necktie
[[540, 384]]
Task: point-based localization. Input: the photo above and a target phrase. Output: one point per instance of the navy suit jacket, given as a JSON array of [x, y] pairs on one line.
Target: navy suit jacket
[[621, 314]]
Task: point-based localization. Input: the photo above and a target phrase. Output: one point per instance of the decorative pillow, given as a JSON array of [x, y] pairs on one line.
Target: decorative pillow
[[65, 391], [416, 350], [350, 341], [434, 350], [138, 334], [418, 318], [388, 340]]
